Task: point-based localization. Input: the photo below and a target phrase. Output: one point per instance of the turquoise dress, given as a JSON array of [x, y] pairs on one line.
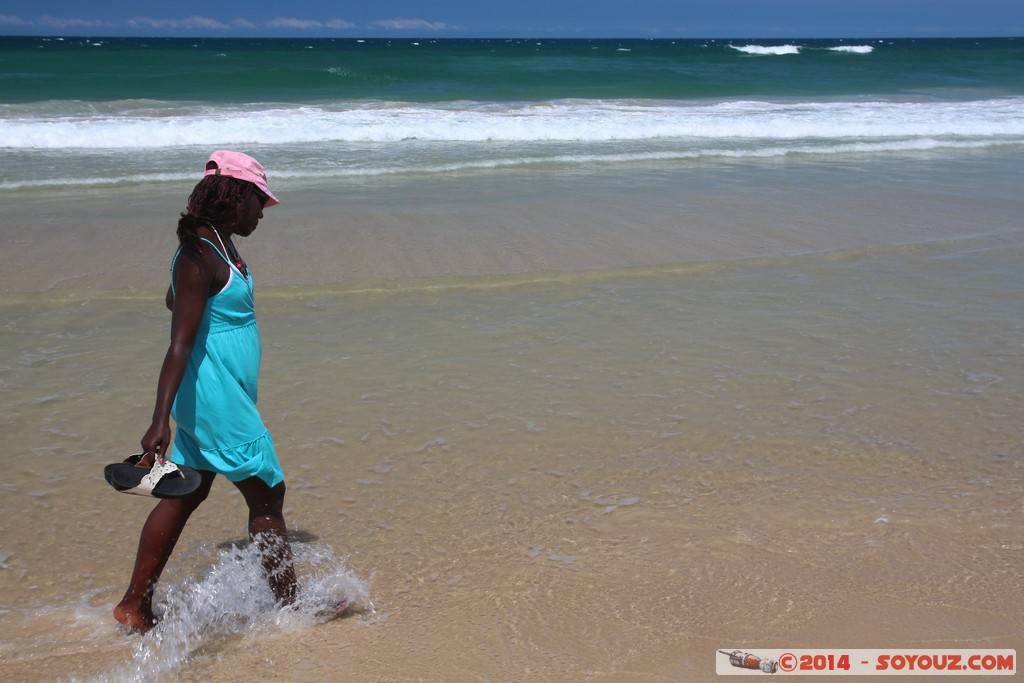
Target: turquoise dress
[[219, 428]]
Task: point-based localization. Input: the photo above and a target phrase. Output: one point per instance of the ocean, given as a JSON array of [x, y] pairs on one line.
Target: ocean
[[586, 359], [128, 111]]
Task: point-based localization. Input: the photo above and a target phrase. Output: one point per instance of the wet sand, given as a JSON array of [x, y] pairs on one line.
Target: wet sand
[[322, 233], [574, 474]]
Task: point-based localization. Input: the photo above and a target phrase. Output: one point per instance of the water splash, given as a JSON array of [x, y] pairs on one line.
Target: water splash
[[230, 600]]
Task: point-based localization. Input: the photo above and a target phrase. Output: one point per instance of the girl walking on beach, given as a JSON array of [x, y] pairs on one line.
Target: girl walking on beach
[[208, 383]]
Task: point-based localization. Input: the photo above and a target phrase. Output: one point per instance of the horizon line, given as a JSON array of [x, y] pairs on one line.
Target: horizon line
[[513, 37]]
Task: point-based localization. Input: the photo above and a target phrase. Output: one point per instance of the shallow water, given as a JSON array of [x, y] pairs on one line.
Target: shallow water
[[747, 437]]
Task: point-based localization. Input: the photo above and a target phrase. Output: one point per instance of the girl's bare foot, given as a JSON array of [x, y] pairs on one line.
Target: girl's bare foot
[[334, 609], [136, 619]]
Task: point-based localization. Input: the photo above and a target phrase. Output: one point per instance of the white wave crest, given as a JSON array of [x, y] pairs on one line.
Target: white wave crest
[[768, 49], [856, 49], [561, 121], [153, 145]]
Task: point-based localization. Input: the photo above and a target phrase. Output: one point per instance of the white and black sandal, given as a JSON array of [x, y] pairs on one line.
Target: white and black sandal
[[163, 480]]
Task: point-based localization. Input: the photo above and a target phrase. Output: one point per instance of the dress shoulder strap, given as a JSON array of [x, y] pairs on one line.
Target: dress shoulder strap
[[223, 255], [215, 248]]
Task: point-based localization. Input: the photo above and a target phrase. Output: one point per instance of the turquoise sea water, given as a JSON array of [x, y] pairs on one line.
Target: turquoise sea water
[[105, 111], [303, 71]]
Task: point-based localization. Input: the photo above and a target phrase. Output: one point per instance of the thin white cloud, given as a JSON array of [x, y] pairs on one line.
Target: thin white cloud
[[150, 22], [340, 24], [309, 24], [401, 24], [204, 23], [292, 22], [60, 22], [201, 23]]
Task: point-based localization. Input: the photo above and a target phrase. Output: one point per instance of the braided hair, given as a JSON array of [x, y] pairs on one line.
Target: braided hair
[[214, 201]]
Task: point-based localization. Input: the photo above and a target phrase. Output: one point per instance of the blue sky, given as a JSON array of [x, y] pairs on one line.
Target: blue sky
[[518, 18]]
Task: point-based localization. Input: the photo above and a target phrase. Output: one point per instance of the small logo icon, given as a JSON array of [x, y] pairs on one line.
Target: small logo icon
[[745, 660]]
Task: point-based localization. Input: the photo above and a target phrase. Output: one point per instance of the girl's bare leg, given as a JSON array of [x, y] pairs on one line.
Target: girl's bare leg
[[156, 542], [268, 531]]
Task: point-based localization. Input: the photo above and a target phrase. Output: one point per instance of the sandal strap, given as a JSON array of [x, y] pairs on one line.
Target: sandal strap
[[158, 472]]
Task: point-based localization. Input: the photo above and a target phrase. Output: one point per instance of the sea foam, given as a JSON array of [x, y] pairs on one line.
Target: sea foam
[[141, 143], [564, 120]]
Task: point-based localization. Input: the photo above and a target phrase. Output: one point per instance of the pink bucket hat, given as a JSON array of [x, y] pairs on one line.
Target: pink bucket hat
[[241, 166]]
